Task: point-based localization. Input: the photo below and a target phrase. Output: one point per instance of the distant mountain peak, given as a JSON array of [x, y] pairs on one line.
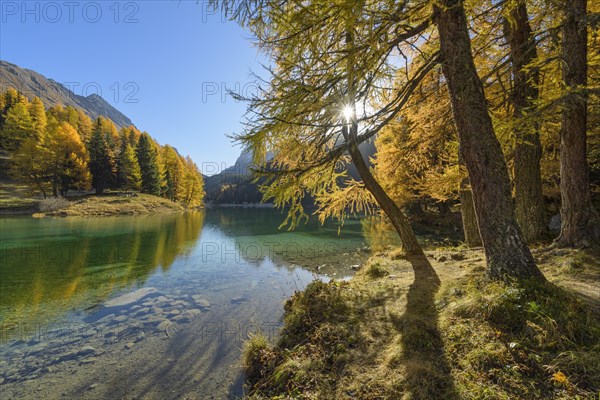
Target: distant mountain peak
[[52, 93]]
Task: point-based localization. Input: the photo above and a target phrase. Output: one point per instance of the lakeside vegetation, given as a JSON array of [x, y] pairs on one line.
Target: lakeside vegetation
[[114, 205], [60, 150], [410, 329]]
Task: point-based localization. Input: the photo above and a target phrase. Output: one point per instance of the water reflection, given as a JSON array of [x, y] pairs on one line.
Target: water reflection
[[50, 267], [323, 248]]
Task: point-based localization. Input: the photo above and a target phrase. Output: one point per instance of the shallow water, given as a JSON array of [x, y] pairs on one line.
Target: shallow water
[[204, 282]]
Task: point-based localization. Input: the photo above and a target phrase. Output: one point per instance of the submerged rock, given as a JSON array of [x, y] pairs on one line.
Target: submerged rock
[[188, 315], [120, 318], [85, 350], [130, 298], [140, 336], [163, 325], [202, 302], [238, 300]]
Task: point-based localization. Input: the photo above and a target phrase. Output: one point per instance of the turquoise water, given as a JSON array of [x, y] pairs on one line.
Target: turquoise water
[[212, 279]]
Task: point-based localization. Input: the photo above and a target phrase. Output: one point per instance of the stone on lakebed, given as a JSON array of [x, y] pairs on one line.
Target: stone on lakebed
[[130, 298]]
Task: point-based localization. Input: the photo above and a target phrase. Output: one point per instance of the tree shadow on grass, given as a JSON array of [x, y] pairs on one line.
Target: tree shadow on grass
[[426, 369]]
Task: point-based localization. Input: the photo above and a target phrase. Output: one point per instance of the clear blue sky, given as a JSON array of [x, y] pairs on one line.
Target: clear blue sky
[[178, 55]]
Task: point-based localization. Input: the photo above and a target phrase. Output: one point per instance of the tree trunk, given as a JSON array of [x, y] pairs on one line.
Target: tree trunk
[[580, 225], [505, 247], [410, 245], [469, 218], [529, 200]]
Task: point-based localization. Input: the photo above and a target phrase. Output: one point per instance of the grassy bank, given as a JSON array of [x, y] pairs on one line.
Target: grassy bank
[[413, 329], [17, 198], [114, 205]]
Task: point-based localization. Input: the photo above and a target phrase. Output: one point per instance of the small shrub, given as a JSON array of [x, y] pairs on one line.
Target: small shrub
[[257, 355], [53, 204], [304, 311], [376, 270]]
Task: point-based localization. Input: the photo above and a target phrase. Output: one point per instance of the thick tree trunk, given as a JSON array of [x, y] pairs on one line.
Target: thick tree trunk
[[580, 225], [505, 247], [529, 200], [410, 244], [469, 218]]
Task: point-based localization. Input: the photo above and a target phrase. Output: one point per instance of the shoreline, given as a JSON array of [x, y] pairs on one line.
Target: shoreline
[[103, 205], [437, 328], [242, 205]]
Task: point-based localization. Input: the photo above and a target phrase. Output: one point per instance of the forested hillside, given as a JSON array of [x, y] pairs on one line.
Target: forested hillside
[[60, 149]]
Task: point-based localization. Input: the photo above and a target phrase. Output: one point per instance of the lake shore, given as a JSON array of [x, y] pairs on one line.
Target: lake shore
[[406, 328], [106, 205]]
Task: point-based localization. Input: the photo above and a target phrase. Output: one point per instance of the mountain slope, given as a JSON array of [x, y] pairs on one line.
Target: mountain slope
[[234, 185], [52, 93]]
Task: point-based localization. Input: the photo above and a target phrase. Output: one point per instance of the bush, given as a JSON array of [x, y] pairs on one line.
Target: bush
[[53, 204]]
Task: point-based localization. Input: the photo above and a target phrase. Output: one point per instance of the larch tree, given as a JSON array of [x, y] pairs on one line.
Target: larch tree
[[30, 163], [193, 184], [529, 200], [507, 253], [330, 91], [174, 173], [37, 111], [84, 126], [68, 160], [580, 224], [17, 126]]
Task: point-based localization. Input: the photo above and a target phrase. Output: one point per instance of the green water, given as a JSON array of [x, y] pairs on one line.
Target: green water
[[63, 270], [53, 266]]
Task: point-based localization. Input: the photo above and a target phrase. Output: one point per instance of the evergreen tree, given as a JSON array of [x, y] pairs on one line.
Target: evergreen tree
[[101, 161], [149, 168], [128, 169]]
